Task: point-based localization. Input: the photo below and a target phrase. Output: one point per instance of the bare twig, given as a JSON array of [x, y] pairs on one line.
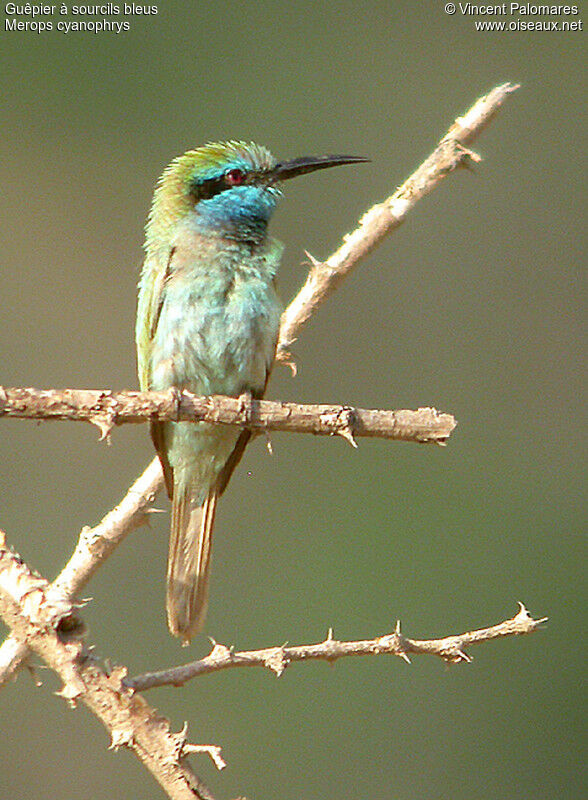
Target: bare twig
[[40, 617], [106, 409], [93, 547], [381, 219], [276, 659]]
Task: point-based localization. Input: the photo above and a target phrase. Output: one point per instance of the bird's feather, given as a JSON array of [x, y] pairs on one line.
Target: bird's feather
[[188, 565]]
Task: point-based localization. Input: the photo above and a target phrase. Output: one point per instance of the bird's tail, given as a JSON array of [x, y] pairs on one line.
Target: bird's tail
[[188, 563]]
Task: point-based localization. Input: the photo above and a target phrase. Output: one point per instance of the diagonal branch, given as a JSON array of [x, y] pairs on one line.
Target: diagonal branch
[[52, 627], [106, 409], [451, 649], [383, 218]]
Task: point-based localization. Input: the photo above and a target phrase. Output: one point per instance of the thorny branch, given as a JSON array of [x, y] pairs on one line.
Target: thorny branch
[[451, 649], [31, 612], [39, 616], [381, 219], [106, 409]]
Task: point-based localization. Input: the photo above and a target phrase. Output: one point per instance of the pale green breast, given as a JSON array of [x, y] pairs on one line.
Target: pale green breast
[[217, 318]]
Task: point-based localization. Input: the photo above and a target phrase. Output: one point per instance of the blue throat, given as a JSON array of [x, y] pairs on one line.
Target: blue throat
[[241, 213]]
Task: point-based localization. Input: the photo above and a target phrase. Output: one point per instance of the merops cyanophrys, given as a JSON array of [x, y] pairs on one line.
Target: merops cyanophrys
[[207, 321]]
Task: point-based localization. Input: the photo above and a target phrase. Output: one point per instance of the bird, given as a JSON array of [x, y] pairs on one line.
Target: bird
[[208, 317]]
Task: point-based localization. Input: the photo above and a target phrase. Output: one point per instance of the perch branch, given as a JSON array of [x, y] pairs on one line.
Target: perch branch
[[451, 649], [40, 617], [382, 218], [106, 409]]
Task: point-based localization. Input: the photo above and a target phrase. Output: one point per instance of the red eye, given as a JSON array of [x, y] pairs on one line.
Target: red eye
[[234, 177]]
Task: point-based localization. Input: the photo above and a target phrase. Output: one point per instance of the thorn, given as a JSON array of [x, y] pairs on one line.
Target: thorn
[[340, 422], [105, 424], [469, 158], [33, 673], [211, 749], [276, 661], [314, 262], [289, 362], [154, 511], [287, 359], [524, 616], [472, 154], [522, 609], [219, 651], [347, 434], [268, 443], [400, 643], [461, 655], [330, 635]]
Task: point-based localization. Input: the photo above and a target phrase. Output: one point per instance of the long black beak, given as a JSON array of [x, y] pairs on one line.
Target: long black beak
[[284, 170]]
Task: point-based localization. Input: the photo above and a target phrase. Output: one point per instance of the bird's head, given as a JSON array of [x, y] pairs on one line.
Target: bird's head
[[231, 187]]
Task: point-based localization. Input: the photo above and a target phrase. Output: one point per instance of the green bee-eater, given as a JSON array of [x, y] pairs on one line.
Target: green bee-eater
[[207, 321]]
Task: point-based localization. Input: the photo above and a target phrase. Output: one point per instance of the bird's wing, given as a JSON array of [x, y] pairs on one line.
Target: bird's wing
[[240, 445], [153, 278], [232, 461], [157, 430], [151, 295]]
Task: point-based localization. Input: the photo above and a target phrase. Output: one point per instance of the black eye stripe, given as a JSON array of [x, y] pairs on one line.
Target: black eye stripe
[[204, 190]]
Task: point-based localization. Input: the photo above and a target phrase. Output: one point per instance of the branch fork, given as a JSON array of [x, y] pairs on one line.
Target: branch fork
[[43, 617]]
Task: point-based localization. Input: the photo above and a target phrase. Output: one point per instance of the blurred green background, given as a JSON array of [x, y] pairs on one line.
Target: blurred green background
[[473, 306]]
